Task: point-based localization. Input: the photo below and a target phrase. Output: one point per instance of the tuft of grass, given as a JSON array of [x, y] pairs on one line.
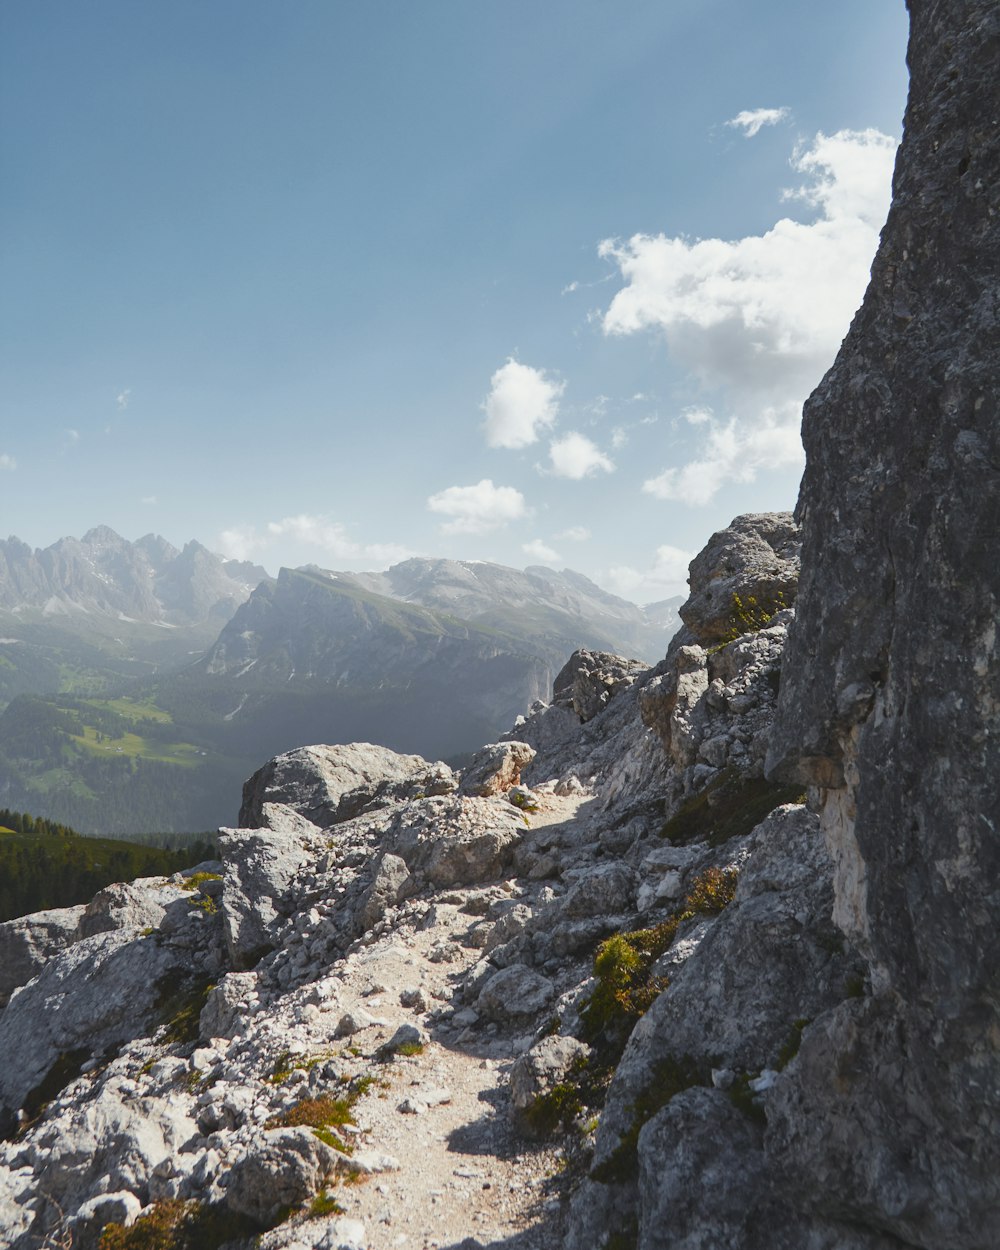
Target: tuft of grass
[[324, 1204], [180, 1005], [196, 878], [287, 1063], [749, 616]]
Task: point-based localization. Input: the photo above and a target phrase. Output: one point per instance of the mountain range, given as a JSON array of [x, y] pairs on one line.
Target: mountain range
[[122, 663]]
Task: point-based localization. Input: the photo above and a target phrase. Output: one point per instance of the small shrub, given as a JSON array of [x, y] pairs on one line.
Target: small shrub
[[749, 616], [626, 989], [323, 1204]]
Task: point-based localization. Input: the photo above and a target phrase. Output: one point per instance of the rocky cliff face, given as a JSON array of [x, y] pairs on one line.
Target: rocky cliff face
[[891, 708]]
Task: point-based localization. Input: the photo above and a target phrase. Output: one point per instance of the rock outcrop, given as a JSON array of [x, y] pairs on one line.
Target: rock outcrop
[[891, 709]]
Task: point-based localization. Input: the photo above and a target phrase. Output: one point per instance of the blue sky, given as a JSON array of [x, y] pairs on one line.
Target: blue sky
[[337, 282]]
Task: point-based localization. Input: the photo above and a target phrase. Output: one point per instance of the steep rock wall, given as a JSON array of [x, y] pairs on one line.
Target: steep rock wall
[[890, 702]]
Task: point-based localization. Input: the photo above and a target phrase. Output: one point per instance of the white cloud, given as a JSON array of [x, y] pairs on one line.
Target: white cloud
[[750, 121], [7, 463], [575, 456], [149, 499], [331, 538], [540, 551], [70, 439], [759, 317], [575, 534], [733, 451], [122, 398], [478, 509], [523, 401], [666, 576]]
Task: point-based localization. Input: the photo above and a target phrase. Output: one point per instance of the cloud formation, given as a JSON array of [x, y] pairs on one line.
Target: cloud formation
[[122, 398], [575, 534], [665, 577], [540, 552], [478, 509], [7, 463], [523, 401], [760, 317], [751, 121], [329, 537], [575, 456]]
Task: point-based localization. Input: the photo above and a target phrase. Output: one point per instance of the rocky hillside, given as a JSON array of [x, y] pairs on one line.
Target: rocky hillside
[[703, 955], [387, 948]]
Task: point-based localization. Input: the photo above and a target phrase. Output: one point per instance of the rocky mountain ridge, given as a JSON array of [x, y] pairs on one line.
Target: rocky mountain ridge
[[102, 573]]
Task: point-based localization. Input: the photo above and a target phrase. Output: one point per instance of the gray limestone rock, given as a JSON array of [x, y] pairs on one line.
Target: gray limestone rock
[[136, 905], [330, 784], [393, 882], [262, 867], [755, 560], [495, 768], [889, 704], [536, 1073], [589, 680], [26, 944], [514, 994], [98, 993], [284, 1168]]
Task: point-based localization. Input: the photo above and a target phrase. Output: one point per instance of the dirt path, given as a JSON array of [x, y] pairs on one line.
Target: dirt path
[[442, 1114]]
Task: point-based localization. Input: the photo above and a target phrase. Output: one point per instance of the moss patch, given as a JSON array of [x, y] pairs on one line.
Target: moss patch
[[179, 1006], [177, 1225], [729, 807], [669, 1078]]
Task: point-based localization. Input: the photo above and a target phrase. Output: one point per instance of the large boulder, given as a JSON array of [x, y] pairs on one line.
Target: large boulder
[[495, 768], [748, 570], [330, 784]]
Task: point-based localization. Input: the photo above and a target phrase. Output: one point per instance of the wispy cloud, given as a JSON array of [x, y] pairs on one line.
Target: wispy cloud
[[760, 317], [330, 538], [540, 551], [523, 401], [149, 499], [69, 440], [575, 534], [478, 509], [122, 398], [7, 463], [752, 121], [576, 457], [664, 577]]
